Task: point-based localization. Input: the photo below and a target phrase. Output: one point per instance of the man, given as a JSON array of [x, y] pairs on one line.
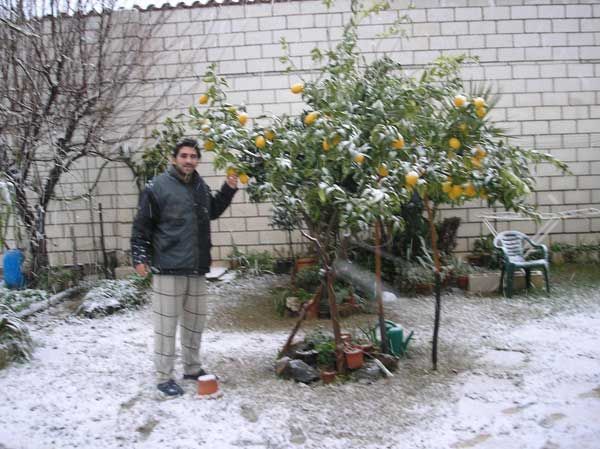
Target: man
[[171, 237]]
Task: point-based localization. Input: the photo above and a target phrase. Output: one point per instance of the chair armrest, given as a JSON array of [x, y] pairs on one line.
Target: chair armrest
[[541, 246]]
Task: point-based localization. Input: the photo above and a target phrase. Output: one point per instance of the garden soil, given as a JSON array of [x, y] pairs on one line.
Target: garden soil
[[513, 373]]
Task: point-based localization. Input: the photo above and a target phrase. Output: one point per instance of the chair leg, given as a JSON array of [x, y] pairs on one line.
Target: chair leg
[[546, 279], [510, 276], [527, 279], [501, 287]]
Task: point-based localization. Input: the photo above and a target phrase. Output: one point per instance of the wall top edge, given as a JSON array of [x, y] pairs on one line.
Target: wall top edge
[[204, 4]]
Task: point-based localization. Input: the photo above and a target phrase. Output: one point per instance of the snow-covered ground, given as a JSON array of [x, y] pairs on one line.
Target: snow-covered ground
[[521, 373]]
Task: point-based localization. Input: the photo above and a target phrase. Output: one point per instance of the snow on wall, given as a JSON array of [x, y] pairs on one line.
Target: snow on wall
[[544, 57]]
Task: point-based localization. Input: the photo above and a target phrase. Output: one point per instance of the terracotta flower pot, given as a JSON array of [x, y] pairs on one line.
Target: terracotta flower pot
[[304, 262], [207, 385], [354, 358], [463, 282], [365, 347], [346, 337], [328, 376]]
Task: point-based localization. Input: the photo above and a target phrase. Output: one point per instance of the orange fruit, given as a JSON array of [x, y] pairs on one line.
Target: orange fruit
[[382, 170], [463, 127], [454, 143], [359, 158], [336, 139], [244, 178], [480, 112], [476, 162], [260, 142], [297, 88], [209, 145], [242, 118], [480, 153], [231, 171], [460, 101], [470, 190], [446, 186], [398, 143], [325, 145], [411, 178], [269, 134], [311, 117], [455, 192], [203, 99], [479, 102]]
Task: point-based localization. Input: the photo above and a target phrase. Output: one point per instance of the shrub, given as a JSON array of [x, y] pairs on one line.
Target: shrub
[[18, 300], [15, 341], [110, 296]]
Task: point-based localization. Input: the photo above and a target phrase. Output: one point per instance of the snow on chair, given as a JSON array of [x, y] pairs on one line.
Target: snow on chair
[[510, 244]]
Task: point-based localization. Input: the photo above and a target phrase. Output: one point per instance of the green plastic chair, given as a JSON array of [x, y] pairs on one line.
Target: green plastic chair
[[511, 246]]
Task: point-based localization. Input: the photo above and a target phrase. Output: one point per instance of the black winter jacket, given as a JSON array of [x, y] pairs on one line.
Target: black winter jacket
[[171, 231]]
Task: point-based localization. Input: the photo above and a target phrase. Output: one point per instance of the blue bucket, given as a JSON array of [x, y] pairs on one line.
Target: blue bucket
[[12, 263]]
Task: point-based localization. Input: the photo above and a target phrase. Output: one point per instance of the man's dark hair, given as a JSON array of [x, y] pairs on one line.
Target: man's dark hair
[[187, 142]]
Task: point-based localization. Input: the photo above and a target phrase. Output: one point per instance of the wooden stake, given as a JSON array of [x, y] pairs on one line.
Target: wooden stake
[[303, 312]]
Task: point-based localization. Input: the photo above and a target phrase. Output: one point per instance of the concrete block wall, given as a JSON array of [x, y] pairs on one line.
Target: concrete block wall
[[543, 56]]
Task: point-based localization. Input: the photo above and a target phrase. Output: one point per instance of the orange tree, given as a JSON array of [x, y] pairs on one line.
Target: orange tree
[[370, 136]]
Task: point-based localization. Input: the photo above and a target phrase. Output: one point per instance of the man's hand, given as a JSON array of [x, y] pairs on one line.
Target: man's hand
[[232, 180], [142, 269]]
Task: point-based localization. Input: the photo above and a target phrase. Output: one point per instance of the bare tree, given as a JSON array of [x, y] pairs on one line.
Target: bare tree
[[67, 67]]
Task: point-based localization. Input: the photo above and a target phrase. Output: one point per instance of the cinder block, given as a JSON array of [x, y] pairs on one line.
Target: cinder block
[[580, 98], [273, 237], [553, 70], [563, 182], [582, 11], [257, 223], [589, 182], [588, 126], [580, 39], [440, 14], [426, 29], [244, 25], [483, 27], [538, 26], [551, 11], [303, 21], [272, 23], [454, 28], [257, 9], [578, 197], [548, 113], [230, 224], [511, 54], [553, 39], [286, 9], [535, 127], [468, 14], [499, 40], [538, 54], [566, 26], [510, 26], [523, 12], [589, 52], [442, 42], [540, 85], [496, 13]]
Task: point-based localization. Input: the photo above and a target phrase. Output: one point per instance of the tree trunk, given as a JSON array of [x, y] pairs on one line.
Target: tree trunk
[[438, 283], [378, 288], [340, 361]]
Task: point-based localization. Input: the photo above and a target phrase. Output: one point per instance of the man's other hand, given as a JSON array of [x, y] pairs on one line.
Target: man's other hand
[[142, 269]]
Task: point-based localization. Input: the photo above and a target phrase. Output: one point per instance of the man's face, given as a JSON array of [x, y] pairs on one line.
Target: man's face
[[186, 160]]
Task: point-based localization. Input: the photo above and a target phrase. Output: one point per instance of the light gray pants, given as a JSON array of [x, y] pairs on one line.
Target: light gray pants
[[178, 299]]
